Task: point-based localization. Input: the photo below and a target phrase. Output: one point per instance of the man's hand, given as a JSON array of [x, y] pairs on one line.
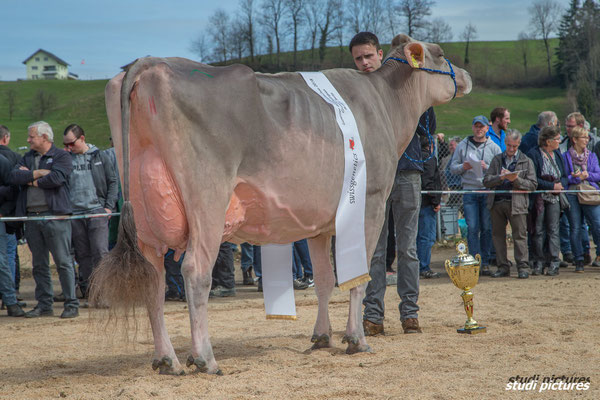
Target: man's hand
[[38, 173], [512, 177], [108, 211], [23, 168], [467, 166], [483, 165], [437, 208], [440, 137]]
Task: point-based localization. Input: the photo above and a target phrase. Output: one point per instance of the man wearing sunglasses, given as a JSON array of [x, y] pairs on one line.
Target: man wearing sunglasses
[[94, 190]]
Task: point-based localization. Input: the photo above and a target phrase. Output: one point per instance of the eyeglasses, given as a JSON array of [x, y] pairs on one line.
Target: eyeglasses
[[71, 144], [582, 137]]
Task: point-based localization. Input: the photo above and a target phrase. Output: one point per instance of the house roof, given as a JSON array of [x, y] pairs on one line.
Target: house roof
[[61, 61]]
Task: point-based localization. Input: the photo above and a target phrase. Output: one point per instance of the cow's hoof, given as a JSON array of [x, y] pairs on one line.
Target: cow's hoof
[[320, 341], [201, 365], [354, 345], [165, 366]]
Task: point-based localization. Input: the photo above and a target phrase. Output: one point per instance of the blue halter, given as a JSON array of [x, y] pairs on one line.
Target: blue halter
[[437, 71]]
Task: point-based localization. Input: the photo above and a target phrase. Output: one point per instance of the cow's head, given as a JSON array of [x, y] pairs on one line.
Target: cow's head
[[445, 81]]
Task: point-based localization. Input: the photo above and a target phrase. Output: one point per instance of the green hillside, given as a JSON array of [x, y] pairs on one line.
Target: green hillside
[[80, 102]]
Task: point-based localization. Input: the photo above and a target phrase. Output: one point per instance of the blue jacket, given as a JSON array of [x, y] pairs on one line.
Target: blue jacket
[[418, 149], [55, 184], [530, 140], [497, 138]]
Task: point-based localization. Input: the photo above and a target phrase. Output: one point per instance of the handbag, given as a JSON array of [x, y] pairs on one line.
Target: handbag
[[588, 198]]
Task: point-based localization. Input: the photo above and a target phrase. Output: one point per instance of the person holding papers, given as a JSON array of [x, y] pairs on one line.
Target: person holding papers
[[471, 159], [508, 171]]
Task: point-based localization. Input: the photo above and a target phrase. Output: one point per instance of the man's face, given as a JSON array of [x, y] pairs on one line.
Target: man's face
[[452, 146], [73, 144], [479, 130], [35, 141], [512, 146], [504, 121], [570, 124], [366, 57]]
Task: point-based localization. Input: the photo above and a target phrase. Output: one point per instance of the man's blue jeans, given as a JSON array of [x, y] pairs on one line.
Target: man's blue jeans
[[301, 259], [7, 280], [479, 224], [426, 236], [576, 214]]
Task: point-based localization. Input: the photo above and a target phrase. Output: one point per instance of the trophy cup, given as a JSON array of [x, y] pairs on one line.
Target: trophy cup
[[464, 272]]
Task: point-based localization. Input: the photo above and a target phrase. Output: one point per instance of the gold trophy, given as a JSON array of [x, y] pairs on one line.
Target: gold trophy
[[464, 272]]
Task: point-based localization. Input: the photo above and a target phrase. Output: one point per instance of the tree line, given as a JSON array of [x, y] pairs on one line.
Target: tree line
[[274, 26]]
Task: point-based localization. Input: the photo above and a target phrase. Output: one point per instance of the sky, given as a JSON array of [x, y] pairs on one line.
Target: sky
[[97, 37]]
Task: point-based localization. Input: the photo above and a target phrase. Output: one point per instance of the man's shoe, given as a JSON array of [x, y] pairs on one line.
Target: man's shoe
[[429, 274], [578, 266], [372, 329], [500, 273], [538, 269], [310, 282], [568, 257], [60, 298], [485, 270], [552, 271], [522, 274], [563, 264], [587, 259], [411, 325], [15, 310], [247, 277], [300, 285], [260, 289], [38, 312], [596, 262], [221, 291], [70, 312]]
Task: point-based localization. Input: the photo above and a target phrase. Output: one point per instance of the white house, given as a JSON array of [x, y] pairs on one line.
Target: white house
[[44, 65]]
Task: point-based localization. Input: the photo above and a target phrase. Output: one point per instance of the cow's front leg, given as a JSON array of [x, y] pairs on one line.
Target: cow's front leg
[[324, 284], [165, 360], [197, 273], [355, 336]]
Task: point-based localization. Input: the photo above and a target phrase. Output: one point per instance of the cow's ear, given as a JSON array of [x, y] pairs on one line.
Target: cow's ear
[[415, 54]]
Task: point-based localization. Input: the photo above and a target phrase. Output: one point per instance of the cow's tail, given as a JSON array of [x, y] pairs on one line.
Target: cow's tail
[[124, 278]]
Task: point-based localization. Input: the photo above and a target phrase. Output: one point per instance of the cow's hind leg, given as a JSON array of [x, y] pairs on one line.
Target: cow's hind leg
[[165, 360], [197, 272], [324, 284], [355, 336]]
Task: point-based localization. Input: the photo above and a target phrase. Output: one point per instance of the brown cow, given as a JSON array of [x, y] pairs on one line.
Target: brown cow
[[223, 153]]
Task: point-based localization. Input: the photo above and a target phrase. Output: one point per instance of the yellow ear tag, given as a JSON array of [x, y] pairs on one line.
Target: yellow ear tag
[[414, 61]]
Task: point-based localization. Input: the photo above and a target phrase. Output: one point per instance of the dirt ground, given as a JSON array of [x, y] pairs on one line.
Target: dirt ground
[[540, 326]]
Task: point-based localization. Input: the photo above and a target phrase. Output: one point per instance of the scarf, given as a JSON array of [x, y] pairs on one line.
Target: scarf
[[579, 159]]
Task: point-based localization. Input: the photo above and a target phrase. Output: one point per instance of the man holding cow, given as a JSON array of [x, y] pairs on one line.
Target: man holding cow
[[405, 203]]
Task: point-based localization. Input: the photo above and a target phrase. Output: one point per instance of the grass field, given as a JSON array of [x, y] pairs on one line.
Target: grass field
[[82, 102]]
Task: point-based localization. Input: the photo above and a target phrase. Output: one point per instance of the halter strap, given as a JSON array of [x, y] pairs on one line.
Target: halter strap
[[437, 71]]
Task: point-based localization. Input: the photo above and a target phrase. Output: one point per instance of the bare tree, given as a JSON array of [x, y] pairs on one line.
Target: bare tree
[[237, 39], [11, 102], [200, 47], [327, 26], [374, 22], [272, 15], [338, 22], [544, 18], [42, 103], [415, 12], [219, 28], [356, 16], [391, 19], [312, 13], [247, 17], [469, 34], [439, 31], [295, 11], [523, 48]]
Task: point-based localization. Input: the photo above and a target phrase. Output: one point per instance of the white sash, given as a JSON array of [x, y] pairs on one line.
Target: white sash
[[277, 281], [350, 249]]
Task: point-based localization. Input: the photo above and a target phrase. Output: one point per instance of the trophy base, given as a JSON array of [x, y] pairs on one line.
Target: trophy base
[[473, 331]]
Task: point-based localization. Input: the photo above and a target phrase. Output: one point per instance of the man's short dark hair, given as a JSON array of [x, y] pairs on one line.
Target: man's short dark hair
[[4, 132], [364, 38], [76, 129], [497, 112]]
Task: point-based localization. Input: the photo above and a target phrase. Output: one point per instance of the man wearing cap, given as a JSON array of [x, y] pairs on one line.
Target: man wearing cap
[[470, 161]]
